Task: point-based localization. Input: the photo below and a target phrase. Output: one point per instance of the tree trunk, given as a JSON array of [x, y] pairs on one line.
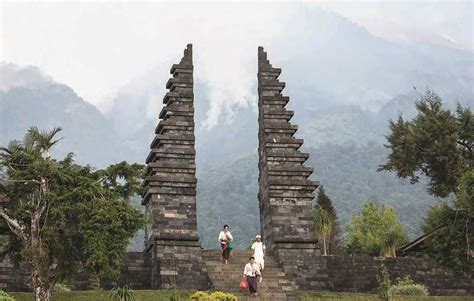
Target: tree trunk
[[42, 291], [325, 253], [42, 284], [94, 280]]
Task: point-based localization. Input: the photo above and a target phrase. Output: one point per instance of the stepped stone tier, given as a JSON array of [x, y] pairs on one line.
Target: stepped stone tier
[[172, 242], [285, 192], [275, 286]]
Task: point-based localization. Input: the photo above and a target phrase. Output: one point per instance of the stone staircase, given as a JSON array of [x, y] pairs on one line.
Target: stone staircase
[[275, 285]]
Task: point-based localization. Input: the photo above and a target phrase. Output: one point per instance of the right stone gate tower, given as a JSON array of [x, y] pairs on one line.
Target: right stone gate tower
[[285, 192]]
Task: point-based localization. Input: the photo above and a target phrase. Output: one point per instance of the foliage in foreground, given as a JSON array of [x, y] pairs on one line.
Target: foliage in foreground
[[5, 297], [375, 231], [61, 287], [166, 295], [123, 293], [407, 287], [212, 296], [384, 284], [402, 287], [333, 296], [103, 295], [59, 215]]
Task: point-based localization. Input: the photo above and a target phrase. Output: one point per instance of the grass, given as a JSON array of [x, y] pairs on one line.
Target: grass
[[141, 295], [162, 295], [329, 296]]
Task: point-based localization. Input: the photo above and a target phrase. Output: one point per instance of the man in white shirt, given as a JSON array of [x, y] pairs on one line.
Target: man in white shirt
[[258, 250]]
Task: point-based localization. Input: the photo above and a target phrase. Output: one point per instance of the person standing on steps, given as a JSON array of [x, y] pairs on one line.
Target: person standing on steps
[[258, 252], [227, 243], [251, 271]]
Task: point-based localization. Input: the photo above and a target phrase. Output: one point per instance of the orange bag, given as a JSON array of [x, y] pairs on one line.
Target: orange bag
[[243, 283]]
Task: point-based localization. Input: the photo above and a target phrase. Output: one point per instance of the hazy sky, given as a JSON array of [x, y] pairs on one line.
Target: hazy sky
[[98, 48]]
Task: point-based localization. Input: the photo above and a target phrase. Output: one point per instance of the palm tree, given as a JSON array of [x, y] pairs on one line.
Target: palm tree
[[43, 140], [323, 226], [18, 155]]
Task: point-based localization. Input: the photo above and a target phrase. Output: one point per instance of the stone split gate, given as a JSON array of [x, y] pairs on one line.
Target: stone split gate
[[173, 256], [285, 192], [173, 252]]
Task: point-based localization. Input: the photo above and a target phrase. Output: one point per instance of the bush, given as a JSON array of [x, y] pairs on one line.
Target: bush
[[200, 296], [61, 288], [221, 296], [5, 297], [383, 280], [407, 287], [214, 296], [122, 294]]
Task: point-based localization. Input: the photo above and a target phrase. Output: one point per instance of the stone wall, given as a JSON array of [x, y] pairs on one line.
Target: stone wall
[[308, 269], [14, 278], [358, 273], [135, 272]]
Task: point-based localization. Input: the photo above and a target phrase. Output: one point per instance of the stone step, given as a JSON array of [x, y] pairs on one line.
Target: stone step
[[226, 277]]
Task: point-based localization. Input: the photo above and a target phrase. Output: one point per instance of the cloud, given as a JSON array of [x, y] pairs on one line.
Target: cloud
[[103, 50], [447, 23]]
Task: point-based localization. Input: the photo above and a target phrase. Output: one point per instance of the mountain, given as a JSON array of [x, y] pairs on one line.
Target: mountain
[[46, 104]]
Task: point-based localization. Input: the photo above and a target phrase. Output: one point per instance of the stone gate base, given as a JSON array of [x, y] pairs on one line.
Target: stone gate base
[[177, 264]]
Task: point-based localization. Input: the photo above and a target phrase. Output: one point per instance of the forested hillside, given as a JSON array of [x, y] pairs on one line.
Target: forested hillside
[[344, 86], [348, 173]]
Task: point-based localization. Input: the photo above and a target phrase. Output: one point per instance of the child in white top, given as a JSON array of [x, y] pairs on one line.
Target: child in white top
[[251, 271]]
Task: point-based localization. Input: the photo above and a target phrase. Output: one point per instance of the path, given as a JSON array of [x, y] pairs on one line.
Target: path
[[275, 285]]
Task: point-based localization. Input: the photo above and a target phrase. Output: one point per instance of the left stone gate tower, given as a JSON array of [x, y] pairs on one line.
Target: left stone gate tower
[[172, 246]]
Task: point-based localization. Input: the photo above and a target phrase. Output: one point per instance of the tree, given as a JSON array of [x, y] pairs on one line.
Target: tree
[[375, 232], [61, 215], [323, 226], [323, 202], [439, 145], [435, 143], [451, 228]]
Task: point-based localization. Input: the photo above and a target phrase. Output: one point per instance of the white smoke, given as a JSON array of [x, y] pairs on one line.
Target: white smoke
[[107, 50]]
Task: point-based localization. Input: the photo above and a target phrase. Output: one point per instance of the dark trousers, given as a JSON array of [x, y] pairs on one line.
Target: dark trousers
[[252, 281], [225, 252]]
